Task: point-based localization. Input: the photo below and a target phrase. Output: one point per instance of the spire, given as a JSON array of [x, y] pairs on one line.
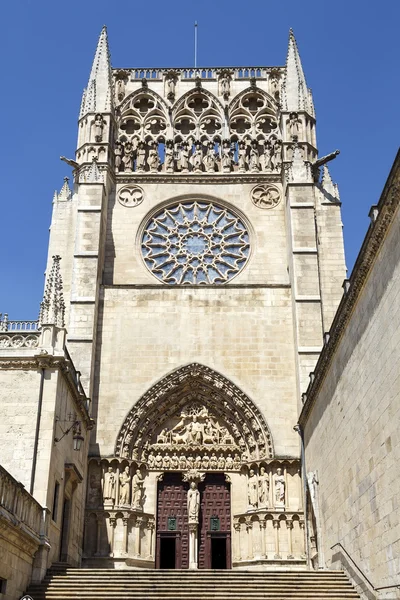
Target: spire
[[94, 175], [52, 307], [65, 192], [295, 93], [331, 189], [98, 97]]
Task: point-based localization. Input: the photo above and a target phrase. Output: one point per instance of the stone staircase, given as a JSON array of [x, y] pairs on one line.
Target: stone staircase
[[108, 584]]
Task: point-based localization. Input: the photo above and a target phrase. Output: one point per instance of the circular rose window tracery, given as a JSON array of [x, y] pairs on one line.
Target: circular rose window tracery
[[195, 242]]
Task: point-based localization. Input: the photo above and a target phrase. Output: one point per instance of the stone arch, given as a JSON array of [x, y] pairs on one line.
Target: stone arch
[[253, 114], [160, 418], [198, 115]]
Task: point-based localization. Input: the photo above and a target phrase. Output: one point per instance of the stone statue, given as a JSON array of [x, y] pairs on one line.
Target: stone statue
[[153, 159], [213, 461], [294, 126], [128, 157], [197, 158], [221, 462], [182, 461], [184, 157], [252, 490], [274, 82], [210, 158], [277, 157], [197, 462], [109, 485], [124, 487], [236, 462], [279, 485], [158, 462], [229, 462], [224, 85], [193, 503], [242, 155], [254, 157], [190, 462], [150, 460], [118, 155], [175, 461], [120, 89], [169, 157], [268, 150], [226, 158], [205, 462], [141, 157], [166, 462], [263, 487], [171, 85], [137, 489], [98, 128]]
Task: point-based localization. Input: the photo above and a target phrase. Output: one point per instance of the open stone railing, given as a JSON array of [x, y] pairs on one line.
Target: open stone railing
[[18, 334], [21, 506], [202, 73]]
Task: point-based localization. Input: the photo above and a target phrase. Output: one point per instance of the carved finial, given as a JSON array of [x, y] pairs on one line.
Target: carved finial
[[94, 175], [331, 189], [65, 192], [52, 307]]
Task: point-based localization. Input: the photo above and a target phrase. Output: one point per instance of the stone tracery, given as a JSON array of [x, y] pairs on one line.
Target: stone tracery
[[194, 418]]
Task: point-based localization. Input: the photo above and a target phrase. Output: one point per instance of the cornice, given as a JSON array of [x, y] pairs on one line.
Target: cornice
[[374, 239], [204, 178]]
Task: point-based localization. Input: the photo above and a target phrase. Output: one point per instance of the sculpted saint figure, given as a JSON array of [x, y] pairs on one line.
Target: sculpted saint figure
[[221, 462], [175, 461], [169, 157], [109, 485], [137, 489], [166, 462], [141, 157], [268, 150], [182, 461], [236, 461], [229, 461], [197, 157], [279, 484], [184, 157], [197, 462], [254, 157], [263, 487], [213, 461], [205, 462], [196, 431], [120, 89], [193, 503], [98, 128], [224, 85], [153, 159], [226, 158], [294, 125], [210, 159], [190, 462], [242, 155], [128, 157], [158, 462], [252, 491], [124, 487], [118, 155], [150, 460]]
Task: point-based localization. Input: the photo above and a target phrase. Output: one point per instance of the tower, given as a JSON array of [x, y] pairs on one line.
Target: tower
[[202, 263]]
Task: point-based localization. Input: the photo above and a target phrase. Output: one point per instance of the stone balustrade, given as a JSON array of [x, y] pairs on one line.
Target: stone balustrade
[[20, 507], [7, 325], [202, 73]]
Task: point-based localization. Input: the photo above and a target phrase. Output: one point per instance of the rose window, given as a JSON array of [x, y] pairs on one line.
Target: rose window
[[195, 243]]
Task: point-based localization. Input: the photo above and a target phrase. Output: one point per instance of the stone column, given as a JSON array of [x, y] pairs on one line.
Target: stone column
[[113, 522], [98, 523], [289, 525], [138, 523], [302, 528], [263, 525], [150, 529], [300, 490], [276, 527], [249, 528], [117, 486], [286, 487], [237, 527], [125, 521], [271, 490], [193, 544]]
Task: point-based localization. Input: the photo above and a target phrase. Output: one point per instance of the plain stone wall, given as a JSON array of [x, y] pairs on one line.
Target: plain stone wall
[[15, 565], [352, 435]]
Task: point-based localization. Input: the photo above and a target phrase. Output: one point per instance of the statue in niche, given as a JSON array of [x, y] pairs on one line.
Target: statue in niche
[[124, 487], [229, 462], [279, 487], [193, 503], [169, 157], [197, 158], [277, 156], [158, 461], [254, 157], [224, 84], [227, 158], [153, 159], [263, 488], [170, 82], [98, 127], [242, 156], [210, 158], [118, 155], [268, 150], [274, 83], [128, 157], [94, 491], [175, 461], [294, 126], [151, 460], [141, 157], [184, 157], [125, 451], [137, 489], [120, 89], [221, 462], [252, 490], [109, 485]]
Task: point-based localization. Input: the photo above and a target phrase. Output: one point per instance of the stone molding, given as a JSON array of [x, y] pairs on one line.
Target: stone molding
[[195, 178], [387, 207]]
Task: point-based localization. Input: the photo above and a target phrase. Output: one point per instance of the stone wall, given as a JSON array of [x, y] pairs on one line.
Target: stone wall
[[351, 426]]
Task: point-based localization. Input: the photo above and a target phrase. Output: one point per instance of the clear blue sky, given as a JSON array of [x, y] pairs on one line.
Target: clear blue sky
[[350, 52]]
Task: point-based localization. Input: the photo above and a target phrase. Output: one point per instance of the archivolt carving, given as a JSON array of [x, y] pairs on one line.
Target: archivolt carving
[[196, 413]]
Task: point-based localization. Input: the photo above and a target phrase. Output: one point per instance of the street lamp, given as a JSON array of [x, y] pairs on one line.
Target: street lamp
[[76, 435]]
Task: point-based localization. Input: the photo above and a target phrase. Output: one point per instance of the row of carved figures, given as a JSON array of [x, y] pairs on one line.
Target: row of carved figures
[[127, 483], [185, 157], [258, 489], [204, 462]]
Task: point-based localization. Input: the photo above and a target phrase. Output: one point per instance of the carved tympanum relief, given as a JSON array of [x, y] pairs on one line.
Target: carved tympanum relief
[[196, 242]]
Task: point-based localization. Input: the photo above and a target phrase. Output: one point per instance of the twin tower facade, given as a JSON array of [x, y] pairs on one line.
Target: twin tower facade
[[202, 262]]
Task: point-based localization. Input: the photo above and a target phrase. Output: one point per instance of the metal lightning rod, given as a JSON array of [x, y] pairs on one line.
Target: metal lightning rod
[[195, 44]]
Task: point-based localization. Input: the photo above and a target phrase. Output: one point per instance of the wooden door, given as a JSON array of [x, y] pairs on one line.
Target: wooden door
[[172, 517], [215, 511]]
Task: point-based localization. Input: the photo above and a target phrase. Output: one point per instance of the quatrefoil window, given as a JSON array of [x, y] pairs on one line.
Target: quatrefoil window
[[195, 242]]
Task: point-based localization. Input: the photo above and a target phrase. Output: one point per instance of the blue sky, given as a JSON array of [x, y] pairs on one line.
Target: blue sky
[[350, 52]]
